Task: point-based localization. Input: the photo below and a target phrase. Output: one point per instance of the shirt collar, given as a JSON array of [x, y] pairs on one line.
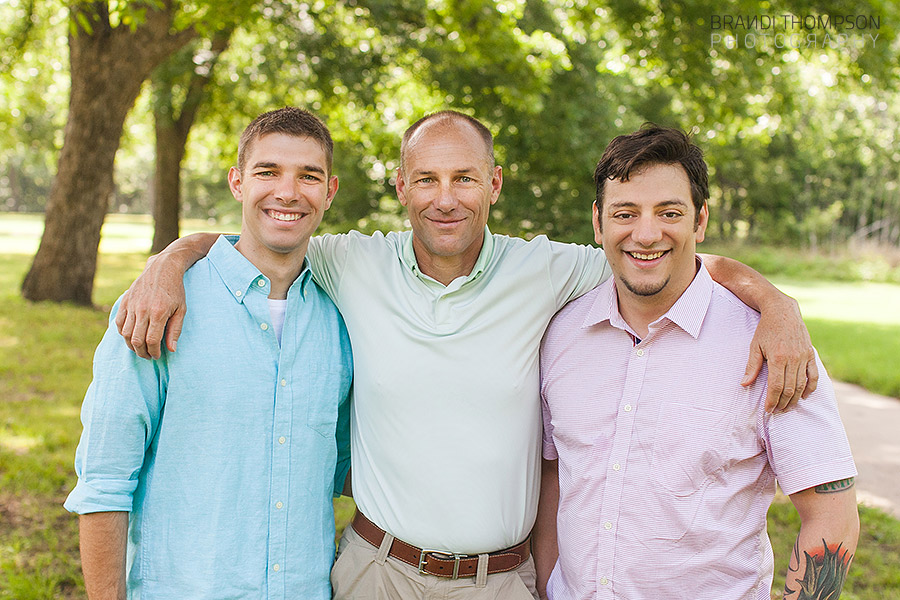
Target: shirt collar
[[240, 275], [687, 313], [408, 255]]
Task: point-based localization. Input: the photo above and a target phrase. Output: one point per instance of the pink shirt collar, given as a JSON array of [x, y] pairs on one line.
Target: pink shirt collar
[[687, 312]]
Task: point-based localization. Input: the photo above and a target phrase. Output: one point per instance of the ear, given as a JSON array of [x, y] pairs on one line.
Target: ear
[[332, 190], [234, 184], [496, 183], [700, 230], [598, 229], [400, 185]]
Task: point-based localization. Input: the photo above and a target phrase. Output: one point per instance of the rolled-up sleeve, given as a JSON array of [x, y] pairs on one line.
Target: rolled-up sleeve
[[120, 416]]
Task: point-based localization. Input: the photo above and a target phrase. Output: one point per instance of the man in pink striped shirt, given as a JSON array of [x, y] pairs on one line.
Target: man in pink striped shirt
[[659, 467]]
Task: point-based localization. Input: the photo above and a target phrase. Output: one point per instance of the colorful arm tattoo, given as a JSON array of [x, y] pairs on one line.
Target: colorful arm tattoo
[[826, 570]]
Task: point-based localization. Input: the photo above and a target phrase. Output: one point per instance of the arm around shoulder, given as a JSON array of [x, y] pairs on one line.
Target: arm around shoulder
[[154, 305], [781, 338]]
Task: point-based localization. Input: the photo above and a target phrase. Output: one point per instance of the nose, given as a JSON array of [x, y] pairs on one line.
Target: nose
[[445, 200], [646, 231], [287, 189]]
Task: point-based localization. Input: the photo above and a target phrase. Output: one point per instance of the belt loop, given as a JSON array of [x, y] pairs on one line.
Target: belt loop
[[385, 547], [481, 572]]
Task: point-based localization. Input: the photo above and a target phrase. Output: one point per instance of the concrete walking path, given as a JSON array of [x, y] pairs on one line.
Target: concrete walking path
[[873, 427]]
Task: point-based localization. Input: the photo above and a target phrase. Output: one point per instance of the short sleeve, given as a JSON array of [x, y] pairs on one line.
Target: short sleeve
[[327, 255], [807, 445], [576, 270]]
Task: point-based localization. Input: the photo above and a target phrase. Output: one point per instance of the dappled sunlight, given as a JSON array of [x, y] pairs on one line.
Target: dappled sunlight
[[19, 444], [7, 340], [855, 302]]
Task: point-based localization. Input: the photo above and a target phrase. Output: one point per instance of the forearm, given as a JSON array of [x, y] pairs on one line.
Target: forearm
[[184, 252], [103, 539], [748, 285], [543, 541], [825, 545]]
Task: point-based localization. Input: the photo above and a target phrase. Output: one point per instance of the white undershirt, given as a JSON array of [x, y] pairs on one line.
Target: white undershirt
[[277, 308]]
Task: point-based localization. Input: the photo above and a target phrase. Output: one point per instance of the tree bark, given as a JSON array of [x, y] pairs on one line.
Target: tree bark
[[108, 66], [172, 129]]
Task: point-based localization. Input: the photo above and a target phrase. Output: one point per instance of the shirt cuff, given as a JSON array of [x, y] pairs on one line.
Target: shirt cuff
[[817, 475], [118, 496]]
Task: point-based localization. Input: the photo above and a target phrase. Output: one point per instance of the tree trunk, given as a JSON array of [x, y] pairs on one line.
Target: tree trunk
[[108, 66], [172, 129], [166, 200]]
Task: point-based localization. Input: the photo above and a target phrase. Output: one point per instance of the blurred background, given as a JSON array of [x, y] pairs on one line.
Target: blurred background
[[119, 120]]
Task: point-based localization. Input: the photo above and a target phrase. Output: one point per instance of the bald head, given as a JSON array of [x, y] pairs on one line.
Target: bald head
[[446, 120]]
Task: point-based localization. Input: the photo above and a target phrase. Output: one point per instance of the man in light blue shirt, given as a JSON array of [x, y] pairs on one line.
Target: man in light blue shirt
[[209, 473]]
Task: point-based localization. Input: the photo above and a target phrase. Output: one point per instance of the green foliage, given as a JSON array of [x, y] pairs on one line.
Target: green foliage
[[801, 141]]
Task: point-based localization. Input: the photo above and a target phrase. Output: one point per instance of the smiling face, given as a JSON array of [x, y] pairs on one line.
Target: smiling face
[[284, 189], [447, 184], [649, 231]]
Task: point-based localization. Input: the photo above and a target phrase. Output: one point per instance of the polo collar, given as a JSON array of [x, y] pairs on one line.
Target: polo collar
[[408, 255]]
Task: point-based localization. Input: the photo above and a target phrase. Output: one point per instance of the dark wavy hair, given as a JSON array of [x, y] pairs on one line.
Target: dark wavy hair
[[627, 155]]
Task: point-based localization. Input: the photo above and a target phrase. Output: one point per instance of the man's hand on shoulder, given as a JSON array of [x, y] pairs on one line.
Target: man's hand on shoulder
[[154, 306], [782, 341]]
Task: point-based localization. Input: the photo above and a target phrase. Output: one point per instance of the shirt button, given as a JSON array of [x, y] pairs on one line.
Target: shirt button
[[627, 408], [279, 505], [283, 382], [607, 525], [263, 326], [616, 466], [604, 580], [262, 283], [640, 352], [238, 293], [276, 567], [281, 440]]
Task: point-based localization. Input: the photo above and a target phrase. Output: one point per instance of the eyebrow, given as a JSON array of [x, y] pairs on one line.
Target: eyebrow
[[463, 171], [664, 203], [273, 165]]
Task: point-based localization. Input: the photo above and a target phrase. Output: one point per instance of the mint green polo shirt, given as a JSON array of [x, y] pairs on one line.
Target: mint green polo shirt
[[445, 418]]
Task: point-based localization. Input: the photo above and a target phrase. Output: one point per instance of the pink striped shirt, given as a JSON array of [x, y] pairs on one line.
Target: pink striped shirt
[[667, 466]]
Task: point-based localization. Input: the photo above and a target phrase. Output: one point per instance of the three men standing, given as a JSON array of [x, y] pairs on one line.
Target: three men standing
[[445, 322]]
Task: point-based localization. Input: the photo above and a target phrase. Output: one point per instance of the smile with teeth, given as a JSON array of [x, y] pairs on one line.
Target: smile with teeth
[[651, 256], [282, 216]]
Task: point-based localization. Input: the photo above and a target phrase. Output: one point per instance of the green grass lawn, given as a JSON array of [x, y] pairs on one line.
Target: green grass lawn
[[45, 368]]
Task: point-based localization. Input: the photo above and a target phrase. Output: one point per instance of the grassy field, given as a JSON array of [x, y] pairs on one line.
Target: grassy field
[[45, 365]]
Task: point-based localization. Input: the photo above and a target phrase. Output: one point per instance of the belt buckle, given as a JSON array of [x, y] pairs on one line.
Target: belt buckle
[[440, 554]]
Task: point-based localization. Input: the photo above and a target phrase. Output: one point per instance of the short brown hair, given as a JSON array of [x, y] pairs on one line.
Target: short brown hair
[[653, 145], [289, 120]]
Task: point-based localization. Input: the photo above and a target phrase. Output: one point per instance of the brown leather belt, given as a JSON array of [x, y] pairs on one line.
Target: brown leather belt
[[440, 563]]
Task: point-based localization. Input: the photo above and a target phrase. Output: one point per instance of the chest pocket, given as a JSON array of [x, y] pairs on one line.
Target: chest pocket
[[324, 390], [691, 447]]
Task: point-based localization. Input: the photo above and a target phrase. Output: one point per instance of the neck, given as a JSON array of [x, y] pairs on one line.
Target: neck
[[446, 268], [637, 312], [281, 269]]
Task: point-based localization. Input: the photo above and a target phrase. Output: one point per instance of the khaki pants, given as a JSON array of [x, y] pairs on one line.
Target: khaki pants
[[364, 572]]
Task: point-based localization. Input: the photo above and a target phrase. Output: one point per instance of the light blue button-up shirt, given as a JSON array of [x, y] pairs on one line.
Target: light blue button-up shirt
[[227, 452]]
